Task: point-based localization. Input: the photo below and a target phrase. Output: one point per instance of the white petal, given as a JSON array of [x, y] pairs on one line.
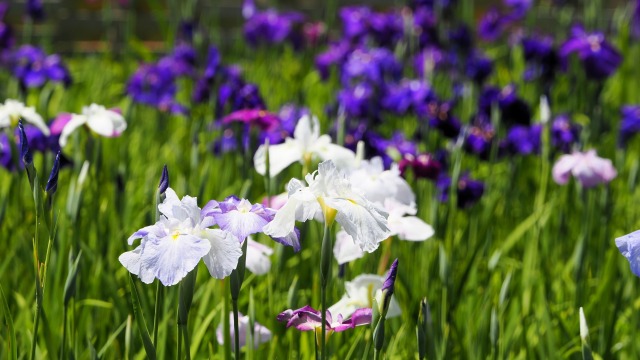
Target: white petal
[[302, 205], [171, 259], [280, 157], [75, 122], [345, 250], [307, 130], [225, 251], [364, 221], [410, 228], [106, 123], [131, 261], [30, 115], [342, 157]]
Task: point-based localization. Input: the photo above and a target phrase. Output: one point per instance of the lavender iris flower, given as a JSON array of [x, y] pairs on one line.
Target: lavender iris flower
[[355, 21], [374, 66], [598, 57], [469, 191], [407, 96], [241, 218], [588, 168]]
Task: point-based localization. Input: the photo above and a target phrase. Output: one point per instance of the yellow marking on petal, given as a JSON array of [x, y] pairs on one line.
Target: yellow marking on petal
[[328, 212], [175, 235]]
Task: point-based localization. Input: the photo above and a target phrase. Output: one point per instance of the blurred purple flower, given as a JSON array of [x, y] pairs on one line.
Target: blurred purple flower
[[630, 124], [598, 57], [273, 27], [386, 28], [479, 68], [425, 25], [424, 166], [479, 139], [154, 85], [429, 59], [406, 96], [518, 8], [440, 117], [358, 101], [372, 65], [564, 133], [35, 10], [336, 54], [629, 246], [523, 140], [354, 21], [492, 25], [32, 67], [541, 57], [462, 39], [469, 191], [264, 120], [635, 21], [181, 62]]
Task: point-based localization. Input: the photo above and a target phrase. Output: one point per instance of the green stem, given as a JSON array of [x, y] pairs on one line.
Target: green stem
[[63, 347], [236, 330], [156, 313], [325, 274]]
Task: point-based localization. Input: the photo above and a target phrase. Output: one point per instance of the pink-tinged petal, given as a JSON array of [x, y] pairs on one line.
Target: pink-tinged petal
[[275, 202], [562, 169], [345, 249], [59, 123]]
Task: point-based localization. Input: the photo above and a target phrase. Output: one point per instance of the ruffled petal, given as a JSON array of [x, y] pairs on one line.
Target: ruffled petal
[[224, 252]]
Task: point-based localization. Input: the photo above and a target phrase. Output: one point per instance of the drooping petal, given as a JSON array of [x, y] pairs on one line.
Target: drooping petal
[[345, 249], [342, 157], [280, 157], [75, 122], [302, 205], [131, 261], [562, 169], [365, 222], [107, 123], [410, 228], [30, 115], [224, 252]]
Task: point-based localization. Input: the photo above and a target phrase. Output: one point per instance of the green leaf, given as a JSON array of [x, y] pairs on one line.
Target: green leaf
[[142, 326]]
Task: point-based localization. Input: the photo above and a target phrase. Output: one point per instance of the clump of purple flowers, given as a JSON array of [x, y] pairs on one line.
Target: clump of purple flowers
[[33, 67]]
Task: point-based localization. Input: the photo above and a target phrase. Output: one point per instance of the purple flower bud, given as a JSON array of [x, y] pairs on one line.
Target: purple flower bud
[[52, 183], [164, 181], [390, 280], [25, 153]]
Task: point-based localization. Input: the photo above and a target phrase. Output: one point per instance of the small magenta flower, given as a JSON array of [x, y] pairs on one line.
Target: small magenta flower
[[102, 121], [629, 246], [261, 118], [310, 319], [589, 169]]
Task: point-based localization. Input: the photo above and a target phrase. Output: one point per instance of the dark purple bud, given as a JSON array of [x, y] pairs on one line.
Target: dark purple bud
[[164, 181], [25, 153], [390, 281], [52, 183]]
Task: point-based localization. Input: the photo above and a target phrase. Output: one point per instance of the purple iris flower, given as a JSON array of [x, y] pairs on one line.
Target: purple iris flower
[[630, 124], [462, 39], [310, 319], [397, 145], [629, 246], [430, 58], [226, 143], [154, 85], [469, 191], [241, 218], [181, 61], [288, 116], [598, 57], [6, 160], [479, 68], [523, 140], [519, 8], [479, 139], [336, 54], [388, 285], [541, 57], [426, 26], [33, 68], [355, 21], [513, 109], [440, 117], [272, 27], [358, 101], [6, 34], [564, 133], [35, 10], [386, 28], [406, 96], [492, 25], [202, 90], [371, 65]]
